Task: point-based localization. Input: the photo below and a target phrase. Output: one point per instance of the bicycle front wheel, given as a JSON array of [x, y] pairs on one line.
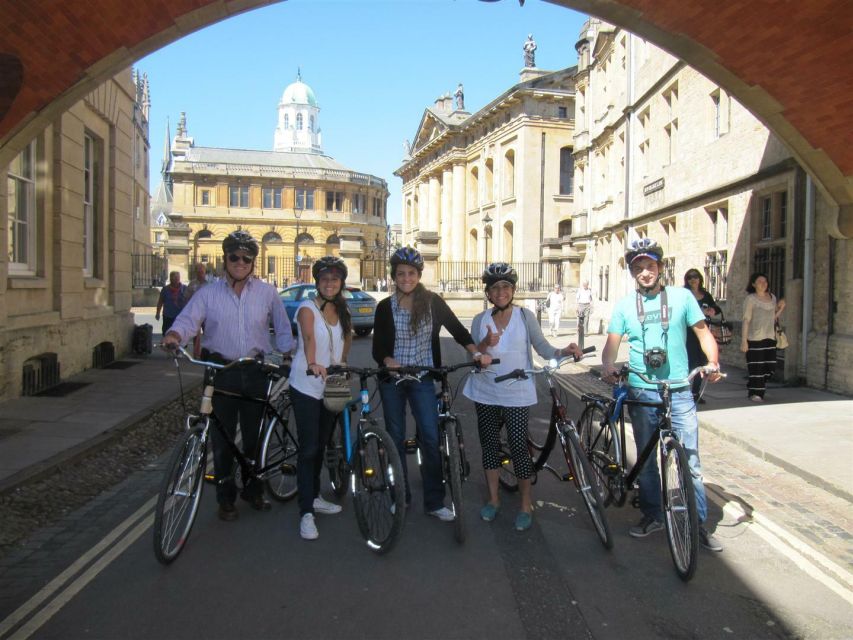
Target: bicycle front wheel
[[336, 459], [180, 494], [584, 478], [279, 450], [679, 508], [379, 492], [454, 474], [506, 476], [600, 442]]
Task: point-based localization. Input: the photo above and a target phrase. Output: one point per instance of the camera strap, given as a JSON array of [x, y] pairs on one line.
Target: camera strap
[[664, 316]]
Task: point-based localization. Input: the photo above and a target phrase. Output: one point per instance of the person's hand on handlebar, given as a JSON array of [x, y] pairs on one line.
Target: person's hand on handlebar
[[572, 350], [715, 376], [317, 370], [609, 373], [171, 341], [483, 360]]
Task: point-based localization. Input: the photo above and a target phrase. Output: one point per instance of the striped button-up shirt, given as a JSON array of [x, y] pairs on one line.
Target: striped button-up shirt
[[236, 326]]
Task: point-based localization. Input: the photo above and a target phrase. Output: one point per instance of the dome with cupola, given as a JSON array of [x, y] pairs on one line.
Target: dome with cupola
[[298, 127], [299, 93]]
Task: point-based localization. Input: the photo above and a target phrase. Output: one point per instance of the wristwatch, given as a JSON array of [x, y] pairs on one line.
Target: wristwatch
[[476, 355]]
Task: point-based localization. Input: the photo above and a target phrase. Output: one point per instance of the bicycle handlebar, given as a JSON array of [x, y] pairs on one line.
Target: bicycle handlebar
[[522, 374], [181, 351], [407, 371], [673, 382]]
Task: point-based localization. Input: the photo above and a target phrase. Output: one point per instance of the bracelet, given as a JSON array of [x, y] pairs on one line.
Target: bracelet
[[312, 364]]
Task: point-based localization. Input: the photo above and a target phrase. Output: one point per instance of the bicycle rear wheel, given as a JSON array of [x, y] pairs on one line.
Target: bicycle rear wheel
[[336, 459], [584, 478], [600, 441], [454, 473], [180, 493], [379, 493], [279, 451], [679, 508]]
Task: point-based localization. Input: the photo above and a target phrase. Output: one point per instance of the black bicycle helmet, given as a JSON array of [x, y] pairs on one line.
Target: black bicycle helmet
[[240, 241], [329, 263], [644, 247], [499, 272], [409, 256]]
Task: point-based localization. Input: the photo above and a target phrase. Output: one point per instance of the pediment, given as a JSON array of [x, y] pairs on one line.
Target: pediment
[[429, 129]]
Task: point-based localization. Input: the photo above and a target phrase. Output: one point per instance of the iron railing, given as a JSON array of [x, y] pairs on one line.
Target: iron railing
[[148, 270], [771, 261], [466, 276]]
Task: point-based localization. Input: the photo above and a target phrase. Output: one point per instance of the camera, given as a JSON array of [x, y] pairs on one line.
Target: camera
[[654, 358]]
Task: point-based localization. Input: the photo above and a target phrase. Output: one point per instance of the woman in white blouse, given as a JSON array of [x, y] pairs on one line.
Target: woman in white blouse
[[758, 339]]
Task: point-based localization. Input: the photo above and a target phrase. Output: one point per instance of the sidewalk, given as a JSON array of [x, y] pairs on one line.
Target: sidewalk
[[805, 431]]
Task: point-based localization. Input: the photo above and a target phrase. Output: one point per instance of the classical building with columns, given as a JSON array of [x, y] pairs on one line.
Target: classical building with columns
[[298, 202], [495, 184], [662, 152]]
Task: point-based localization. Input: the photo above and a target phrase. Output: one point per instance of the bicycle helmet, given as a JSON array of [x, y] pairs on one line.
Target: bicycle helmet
[[644, 247], [409, 256], [329, 263], [240, 241], [499, 272]]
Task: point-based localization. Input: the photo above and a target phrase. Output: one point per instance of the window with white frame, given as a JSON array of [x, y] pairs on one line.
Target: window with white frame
[[238, 196], [272, 198], [299, 122], [21, 198], [304, 199], [721, 104], [89, 201]]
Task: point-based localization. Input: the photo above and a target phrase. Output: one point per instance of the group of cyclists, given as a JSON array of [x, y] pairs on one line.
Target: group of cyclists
[[238, 310]]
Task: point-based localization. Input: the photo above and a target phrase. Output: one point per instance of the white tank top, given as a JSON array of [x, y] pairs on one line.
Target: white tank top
[[513, 352], [299, 379]]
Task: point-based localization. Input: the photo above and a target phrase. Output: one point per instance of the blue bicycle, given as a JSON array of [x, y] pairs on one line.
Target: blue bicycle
[[371, 466]]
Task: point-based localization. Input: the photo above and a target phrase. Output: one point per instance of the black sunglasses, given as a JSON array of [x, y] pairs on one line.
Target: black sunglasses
[[233, 257]]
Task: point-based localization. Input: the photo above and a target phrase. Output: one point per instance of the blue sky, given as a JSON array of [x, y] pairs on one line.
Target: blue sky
[[374, 66]]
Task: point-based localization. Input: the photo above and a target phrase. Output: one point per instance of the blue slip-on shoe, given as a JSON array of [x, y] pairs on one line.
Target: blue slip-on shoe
[[489, 512], [523, 521]]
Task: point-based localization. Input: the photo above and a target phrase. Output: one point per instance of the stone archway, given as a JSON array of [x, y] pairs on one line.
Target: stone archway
[[766, 70]]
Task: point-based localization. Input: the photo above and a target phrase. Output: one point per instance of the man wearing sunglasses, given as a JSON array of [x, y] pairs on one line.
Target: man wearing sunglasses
[[236, 311]]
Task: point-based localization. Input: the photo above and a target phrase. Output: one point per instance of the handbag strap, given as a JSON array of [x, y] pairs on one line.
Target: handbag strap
[[329, 329]]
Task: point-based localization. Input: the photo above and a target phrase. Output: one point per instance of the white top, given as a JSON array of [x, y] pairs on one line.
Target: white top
[[512, 349], [584, 296], [555, 301], [312, 385]]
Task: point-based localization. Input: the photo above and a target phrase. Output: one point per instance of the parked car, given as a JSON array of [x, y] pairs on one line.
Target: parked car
[[362, 306]]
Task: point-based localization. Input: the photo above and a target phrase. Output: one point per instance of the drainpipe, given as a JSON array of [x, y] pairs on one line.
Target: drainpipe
[[808, 275]]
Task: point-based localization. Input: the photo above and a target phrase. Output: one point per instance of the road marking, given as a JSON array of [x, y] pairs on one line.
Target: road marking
[[832, 576], [54, 585]]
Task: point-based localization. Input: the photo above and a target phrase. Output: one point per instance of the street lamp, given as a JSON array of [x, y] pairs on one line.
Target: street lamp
[[297, 213], [486, 222]]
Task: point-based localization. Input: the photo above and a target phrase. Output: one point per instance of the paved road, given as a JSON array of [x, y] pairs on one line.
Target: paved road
[[256, 578]]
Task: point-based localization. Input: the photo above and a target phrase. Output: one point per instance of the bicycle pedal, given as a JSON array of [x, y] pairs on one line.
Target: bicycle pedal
[[567, 477], [411, 445], [287, 469]]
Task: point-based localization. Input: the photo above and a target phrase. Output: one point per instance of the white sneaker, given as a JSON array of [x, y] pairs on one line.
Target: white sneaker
[[323, 506], [444, 514], [307, 527]]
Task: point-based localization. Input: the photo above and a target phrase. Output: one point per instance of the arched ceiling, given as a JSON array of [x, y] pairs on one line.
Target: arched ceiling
[[790, 63]]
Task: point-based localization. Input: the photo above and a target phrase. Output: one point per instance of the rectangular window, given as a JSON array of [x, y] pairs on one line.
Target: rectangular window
[[716, 271], [766, 204], [783, 214], [562, 112], [567, 171], [305, 199], [21, 203], [358, 203], [89, 199], [334, 201], [238, 197], [205, 197], [271, 198], [720, 222]]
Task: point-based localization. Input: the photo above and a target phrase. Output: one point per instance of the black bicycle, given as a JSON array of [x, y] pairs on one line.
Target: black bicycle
[[560, 429], [274, 462], [602, 433]]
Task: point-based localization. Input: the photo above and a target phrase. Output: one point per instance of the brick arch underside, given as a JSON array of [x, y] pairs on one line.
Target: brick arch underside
[[792, 71]]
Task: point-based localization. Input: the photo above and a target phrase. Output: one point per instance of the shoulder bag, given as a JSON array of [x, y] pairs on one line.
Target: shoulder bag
[[720, 328], [781, 338], [337, 392]]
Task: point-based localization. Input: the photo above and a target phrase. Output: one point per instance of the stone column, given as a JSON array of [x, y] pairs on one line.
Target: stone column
[[458, 227], [351, 242], [423, 206], [434, 204], [447, 221]]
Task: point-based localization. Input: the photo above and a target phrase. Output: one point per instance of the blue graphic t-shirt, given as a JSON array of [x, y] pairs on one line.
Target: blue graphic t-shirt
[[684, 312]]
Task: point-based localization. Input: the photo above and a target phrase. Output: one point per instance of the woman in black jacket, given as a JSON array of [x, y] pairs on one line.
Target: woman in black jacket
[[406, 331], [694, 281]]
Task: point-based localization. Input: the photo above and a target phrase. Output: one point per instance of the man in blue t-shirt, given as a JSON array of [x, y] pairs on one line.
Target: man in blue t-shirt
[[173, 297], [639, 316]]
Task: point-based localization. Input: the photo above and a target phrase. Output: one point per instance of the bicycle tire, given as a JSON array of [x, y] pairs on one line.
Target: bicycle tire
[[679, 507], [336, 459], [379, 493], [180, 494], [506, 476], [584, 479], [600, 442], [279, 452], [455, 473]]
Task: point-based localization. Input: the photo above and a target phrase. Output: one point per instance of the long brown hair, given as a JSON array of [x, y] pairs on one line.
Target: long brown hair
[[421, 299]]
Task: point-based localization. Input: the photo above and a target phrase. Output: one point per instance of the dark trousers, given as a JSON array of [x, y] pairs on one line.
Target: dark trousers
[[314, 424], [761, 363], [167, 324], [249, 380]]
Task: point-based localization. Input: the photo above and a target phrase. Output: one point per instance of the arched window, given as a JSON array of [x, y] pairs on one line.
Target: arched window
[[311, 123], [305, 238], [564, 228], [473, 189], [509, 174], [299, 122], [507, 240], [333, 239], [271, 236], [472, 245], [286, 121], [204, 233]]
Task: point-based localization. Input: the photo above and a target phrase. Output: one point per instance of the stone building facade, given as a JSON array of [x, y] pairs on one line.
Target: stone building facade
[[662, 152], [496, 183], [70, 200], [299, 203]]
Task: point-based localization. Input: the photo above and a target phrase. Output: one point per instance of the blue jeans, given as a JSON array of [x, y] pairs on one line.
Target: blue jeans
[[685, 424], [423, 403]]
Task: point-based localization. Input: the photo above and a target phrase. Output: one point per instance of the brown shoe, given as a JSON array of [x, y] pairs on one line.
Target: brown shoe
[[258, 503], [228, 512]]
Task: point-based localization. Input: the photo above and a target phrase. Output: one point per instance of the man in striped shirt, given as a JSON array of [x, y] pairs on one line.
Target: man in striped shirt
[[236, 311]]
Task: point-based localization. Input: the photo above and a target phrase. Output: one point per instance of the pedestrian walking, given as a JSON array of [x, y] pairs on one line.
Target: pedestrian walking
[[198, 282], [695, 283], [758, 339], [583, 298], [172, 299], [554, 304]]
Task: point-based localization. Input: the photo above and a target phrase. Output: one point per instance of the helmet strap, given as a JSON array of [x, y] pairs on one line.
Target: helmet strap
[[498, 309], [325, 300]]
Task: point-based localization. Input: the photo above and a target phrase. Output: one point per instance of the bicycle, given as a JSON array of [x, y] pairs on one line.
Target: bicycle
[[372, 466], [182, 485], [602, 432], [562, 429], [454, 462]]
